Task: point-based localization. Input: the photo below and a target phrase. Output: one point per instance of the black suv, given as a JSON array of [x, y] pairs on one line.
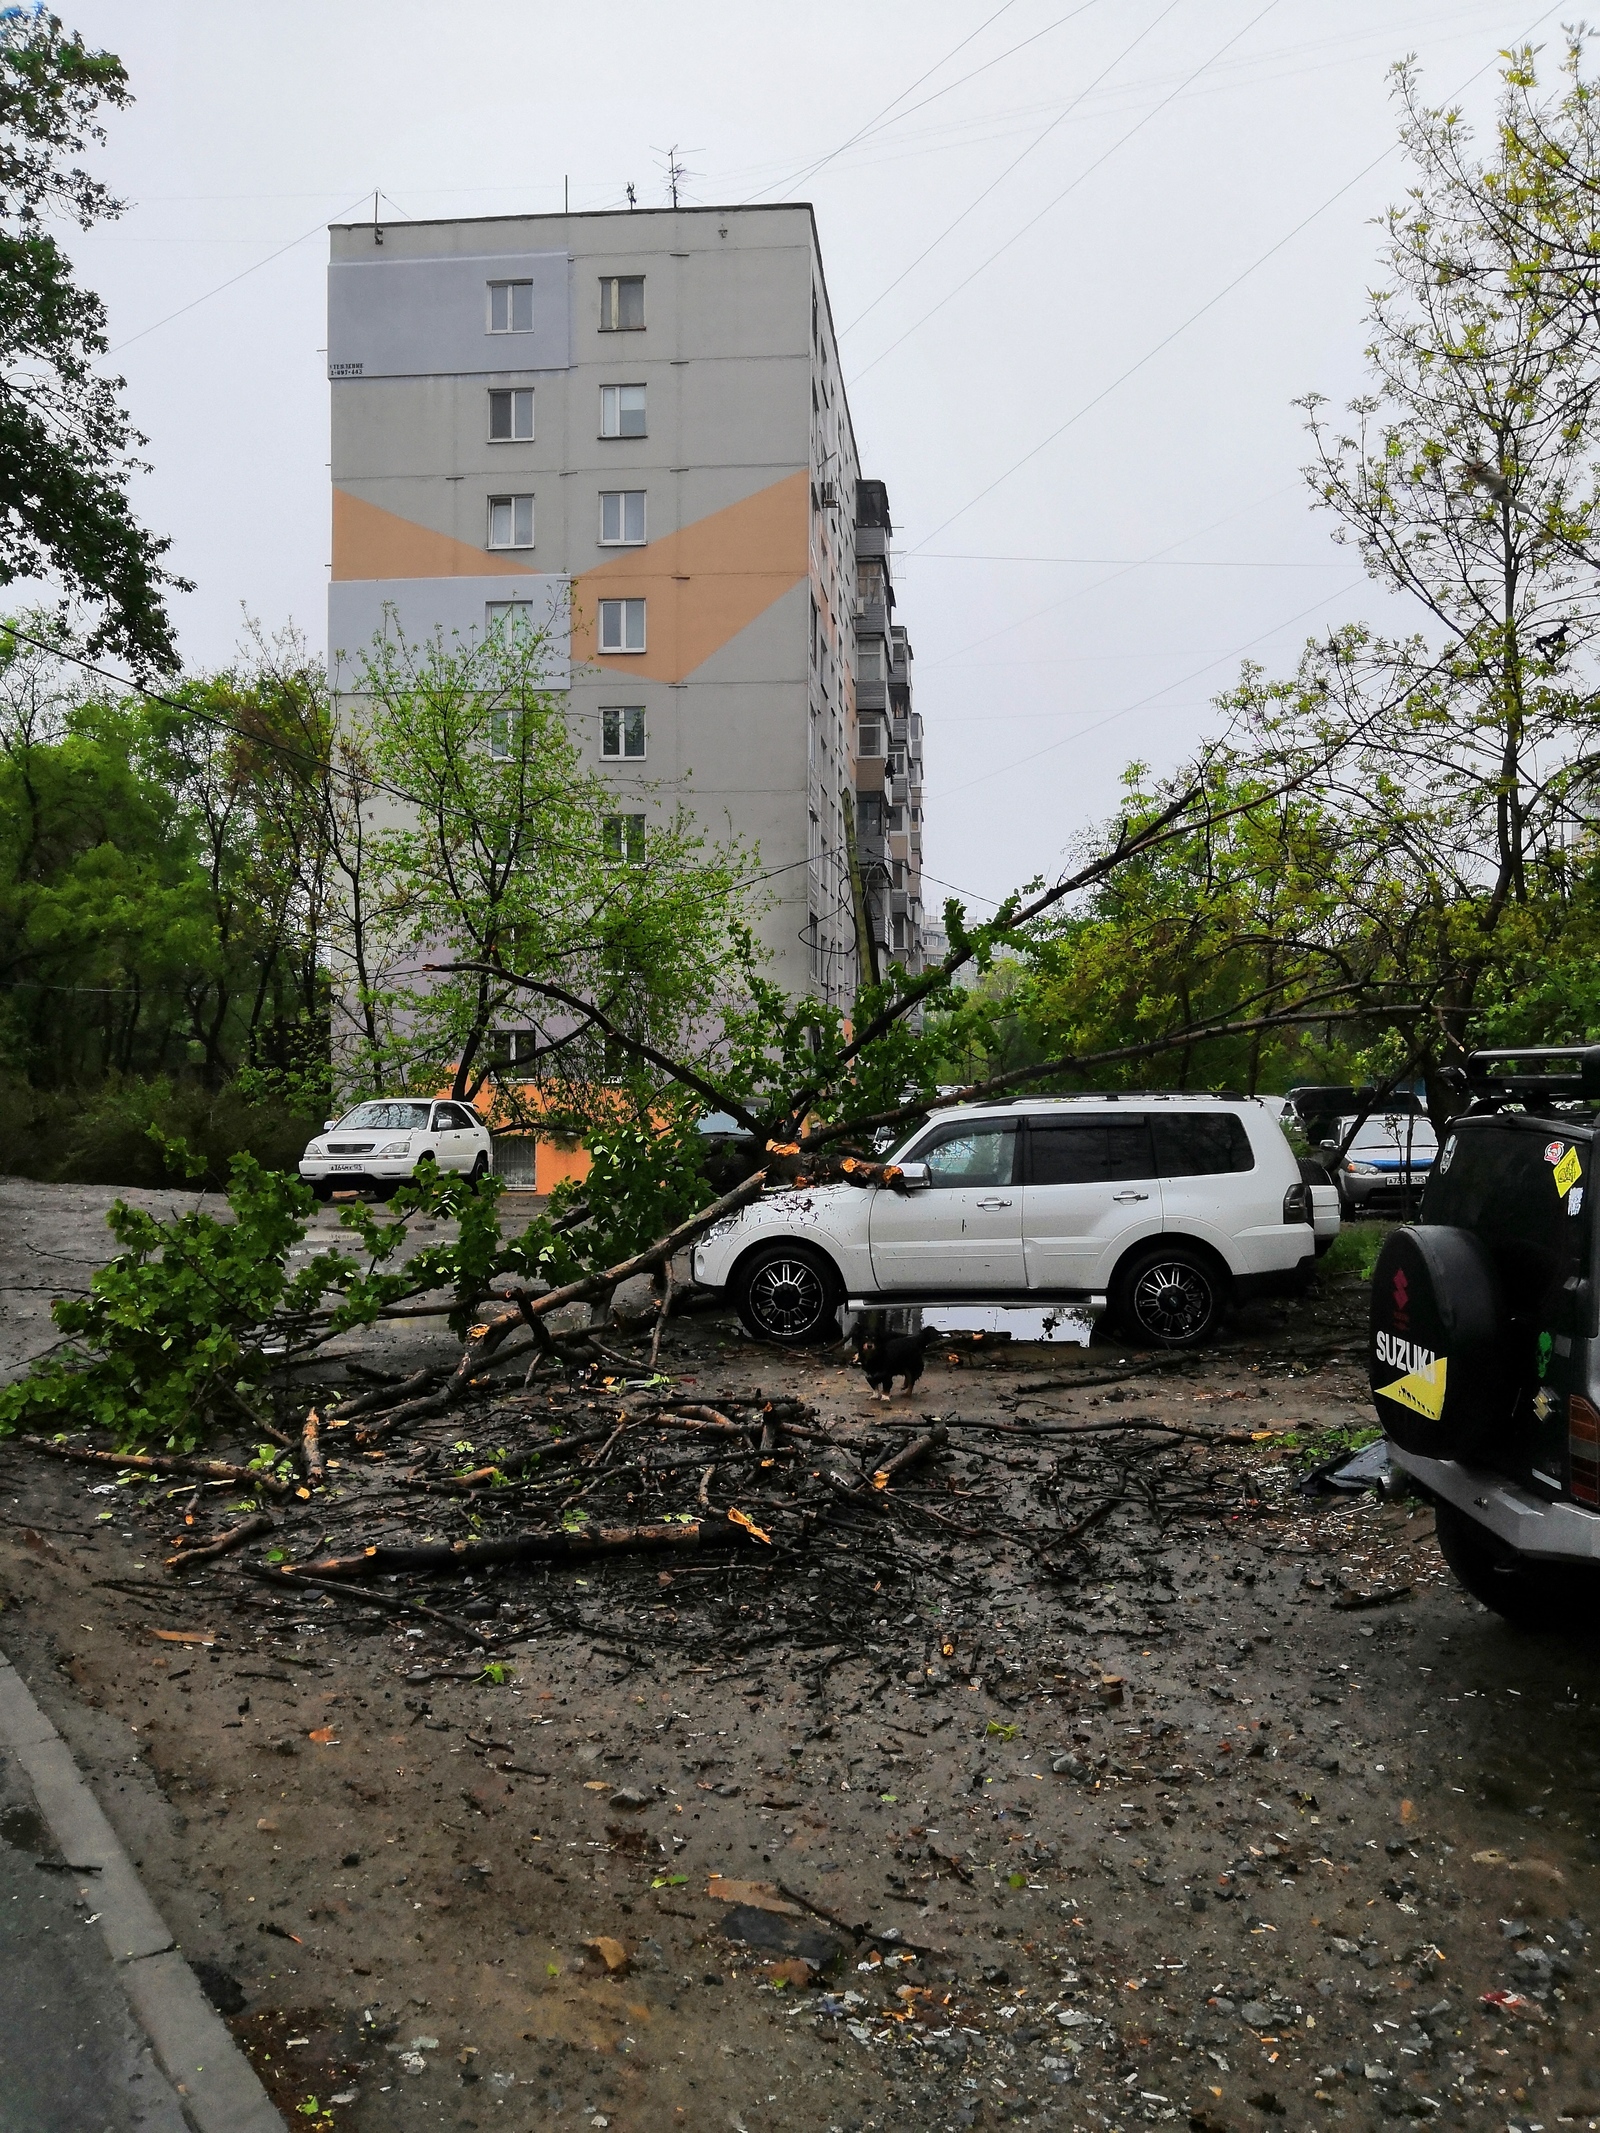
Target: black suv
[[1484, 1360]]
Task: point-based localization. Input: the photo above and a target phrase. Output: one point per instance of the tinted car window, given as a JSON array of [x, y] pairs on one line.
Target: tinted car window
[[1088, 1151], [1499, 1180], [449, 1118], [1201, 1144], [970, 1155]]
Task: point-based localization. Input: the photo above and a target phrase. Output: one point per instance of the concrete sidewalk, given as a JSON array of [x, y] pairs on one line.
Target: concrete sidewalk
[[103, 2026]]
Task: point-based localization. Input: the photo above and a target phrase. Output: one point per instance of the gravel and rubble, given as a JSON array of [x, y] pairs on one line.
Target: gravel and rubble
[[1090, 1773]]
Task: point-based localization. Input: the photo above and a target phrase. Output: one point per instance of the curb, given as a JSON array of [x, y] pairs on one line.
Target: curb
[[192, 2044]]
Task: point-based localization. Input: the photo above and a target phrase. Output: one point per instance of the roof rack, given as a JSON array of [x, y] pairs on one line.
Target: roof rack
[[1579, 1082]]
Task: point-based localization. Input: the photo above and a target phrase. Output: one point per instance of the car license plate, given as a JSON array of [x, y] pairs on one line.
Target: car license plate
[[346, 1166]]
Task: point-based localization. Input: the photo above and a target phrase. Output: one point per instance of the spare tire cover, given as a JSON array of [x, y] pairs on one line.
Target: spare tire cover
[[1439, 1360]]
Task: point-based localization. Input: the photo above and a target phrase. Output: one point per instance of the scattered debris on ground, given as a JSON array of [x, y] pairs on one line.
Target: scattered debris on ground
[[716, 1744]]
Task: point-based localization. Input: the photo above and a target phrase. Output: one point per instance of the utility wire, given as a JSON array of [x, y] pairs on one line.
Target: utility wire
[[1194, 317], [1078, 733], [242, 275], [1037, 142], [1051, 205], [800, 176]]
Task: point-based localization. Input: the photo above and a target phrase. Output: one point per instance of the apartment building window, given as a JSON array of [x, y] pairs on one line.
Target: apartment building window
[[623, 838], [622, 303], [870, 741], [511, 416], [622, 625], [622, 518], [511, 307], [622, 732], [899, 934], [621, 411], [511, 522], [508, 613], [869, 659], [869, 583]]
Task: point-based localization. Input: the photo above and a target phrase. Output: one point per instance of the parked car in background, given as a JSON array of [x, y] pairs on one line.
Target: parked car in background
[[1386, 1165], [379, 1145], [1162, 1208]]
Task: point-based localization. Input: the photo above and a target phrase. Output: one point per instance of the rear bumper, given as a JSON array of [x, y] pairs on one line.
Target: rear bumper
[[1530, 1524], [1279, 1281]]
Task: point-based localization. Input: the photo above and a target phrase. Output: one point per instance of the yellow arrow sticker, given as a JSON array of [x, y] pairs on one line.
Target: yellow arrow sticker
[[1420, 1390], [1567, 1172]]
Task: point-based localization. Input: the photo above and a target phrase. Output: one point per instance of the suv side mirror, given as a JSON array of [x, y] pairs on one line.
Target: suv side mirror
[[913, 1176], [328, 1125]]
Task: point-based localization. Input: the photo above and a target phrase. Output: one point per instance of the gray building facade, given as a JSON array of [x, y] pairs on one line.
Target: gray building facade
[[637, 421]]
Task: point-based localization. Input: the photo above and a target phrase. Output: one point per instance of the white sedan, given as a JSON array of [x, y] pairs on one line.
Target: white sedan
[[379, 1146]]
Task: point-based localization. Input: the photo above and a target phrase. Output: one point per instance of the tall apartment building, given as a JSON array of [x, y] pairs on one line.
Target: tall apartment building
[[888, 746], [637, 420]]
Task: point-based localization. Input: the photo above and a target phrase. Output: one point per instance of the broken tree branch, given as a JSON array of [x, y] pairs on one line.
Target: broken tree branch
[[235, 1537], [576, 1546], [159, 1463]]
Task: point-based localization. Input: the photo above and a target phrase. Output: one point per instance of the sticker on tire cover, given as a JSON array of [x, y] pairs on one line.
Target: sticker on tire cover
[[1567, 1172], [1420, 1390]]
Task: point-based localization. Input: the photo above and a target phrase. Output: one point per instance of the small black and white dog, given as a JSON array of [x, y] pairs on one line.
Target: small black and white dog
[[883, 1357]]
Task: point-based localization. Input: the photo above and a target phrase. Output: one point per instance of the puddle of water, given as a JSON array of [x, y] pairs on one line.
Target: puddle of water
[[23, 1829], [1071, 1328]]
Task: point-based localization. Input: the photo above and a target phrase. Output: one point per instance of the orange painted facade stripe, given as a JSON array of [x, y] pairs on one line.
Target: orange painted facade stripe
[[704, 583], [369, 542]]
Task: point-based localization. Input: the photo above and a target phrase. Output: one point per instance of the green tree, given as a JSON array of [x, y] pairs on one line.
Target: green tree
[[66, 445], [502, 889]]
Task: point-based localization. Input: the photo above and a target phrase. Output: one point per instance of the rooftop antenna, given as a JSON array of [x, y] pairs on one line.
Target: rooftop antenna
[[676, 171], [566, 196], [377, 232], [633, 197]]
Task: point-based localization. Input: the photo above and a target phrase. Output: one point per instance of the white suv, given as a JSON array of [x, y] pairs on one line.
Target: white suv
[[378, 1146], [1166, 1208]]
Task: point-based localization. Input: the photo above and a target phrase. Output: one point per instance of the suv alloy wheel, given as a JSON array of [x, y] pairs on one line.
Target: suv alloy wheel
[[787, 1293], [1169, 1294]]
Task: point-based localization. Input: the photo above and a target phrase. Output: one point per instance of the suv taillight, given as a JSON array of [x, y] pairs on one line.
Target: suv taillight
[[1297, 1203]]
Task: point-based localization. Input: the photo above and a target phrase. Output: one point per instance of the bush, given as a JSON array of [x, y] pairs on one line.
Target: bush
[[1355, 1250], [120, 1132]]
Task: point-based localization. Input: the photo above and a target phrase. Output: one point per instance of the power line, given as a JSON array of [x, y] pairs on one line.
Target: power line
[[1194, 317], [1118, 562], [242, 275], [1037, 142], [1081, 732], [1051, 205], [800, 176], [1079, 592]]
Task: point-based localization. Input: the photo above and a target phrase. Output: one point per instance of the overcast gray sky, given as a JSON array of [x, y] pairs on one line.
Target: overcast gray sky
[[1026, 210]]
